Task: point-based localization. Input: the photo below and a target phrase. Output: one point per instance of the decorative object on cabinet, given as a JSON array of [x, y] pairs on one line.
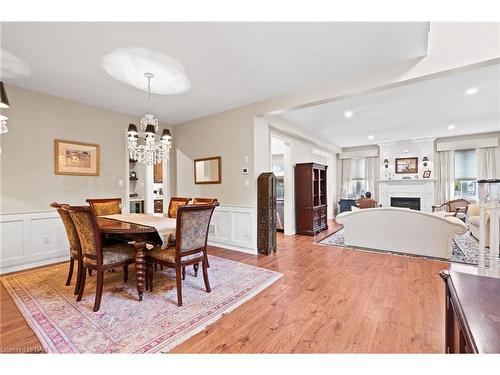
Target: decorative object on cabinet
[[427, 174], [472, 313], [207, 170], [406, 165], [76, 158], [266, 213], [133, 176], [425, 161], [4, 103], [310, 198]]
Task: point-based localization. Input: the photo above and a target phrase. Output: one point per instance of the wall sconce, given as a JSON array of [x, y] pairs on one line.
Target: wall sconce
[[425, 161], [386, 163]]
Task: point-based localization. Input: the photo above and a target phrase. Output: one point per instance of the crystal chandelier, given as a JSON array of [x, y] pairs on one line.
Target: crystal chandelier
[[150, 152], [4, 103]]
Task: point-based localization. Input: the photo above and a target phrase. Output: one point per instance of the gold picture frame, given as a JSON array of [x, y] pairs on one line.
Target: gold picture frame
[[76, 158]]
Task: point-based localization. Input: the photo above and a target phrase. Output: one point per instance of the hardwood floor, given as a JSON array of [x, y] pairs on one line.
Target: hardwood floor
[[330, 300]]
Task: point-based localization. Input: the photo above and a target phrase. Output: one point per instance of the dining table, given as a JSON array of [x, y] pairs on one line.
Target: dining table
[[125, 227]]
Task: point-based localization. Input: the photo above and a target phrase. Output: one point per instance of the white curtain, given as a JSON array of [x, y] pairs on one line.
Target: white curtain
[[345, 176], [487, 163], [445, 174], [371, 175]]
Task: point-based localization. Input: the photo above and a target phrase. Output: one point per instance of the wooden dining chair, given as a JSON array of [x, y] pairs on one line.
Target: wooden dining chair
[[175, 203], [105, 206], [190, 247], [75, 251], [204, 200], [95, 256]]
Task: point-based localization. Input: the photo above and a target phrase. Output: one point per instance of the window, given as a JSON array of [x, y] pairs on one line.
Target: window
[[358, 183], [465, 174]]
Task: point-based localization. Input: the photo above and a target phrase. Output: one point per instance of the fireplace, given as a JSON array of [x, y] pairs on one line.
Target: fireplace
[[406, 202]]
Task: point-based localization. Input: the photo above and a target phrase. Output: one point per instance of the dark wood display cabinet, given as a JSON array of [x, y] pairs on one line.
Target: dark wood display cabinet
[[472, 313], [310, 198]]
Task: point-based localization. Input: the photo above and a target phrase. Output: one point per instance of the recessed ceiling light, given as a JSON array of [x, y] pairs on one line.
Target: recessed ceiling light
[[472, 91], [129, 64], [371, 136], [451, 127], [348, 114]]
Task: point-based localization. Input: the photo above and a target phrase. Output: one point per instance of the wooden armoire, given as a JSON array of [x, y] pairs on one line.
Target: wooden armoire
[[266, 213], [310, 198]]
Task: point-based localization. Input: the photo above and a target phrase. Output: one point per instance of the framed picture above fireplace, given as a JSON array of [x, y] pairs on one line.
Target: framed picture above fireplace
[[406, 165]]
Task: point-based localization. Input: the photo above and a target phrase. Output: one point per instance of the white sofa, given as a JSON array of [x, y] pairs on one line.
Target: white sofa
[[473, 222], [401, 230]]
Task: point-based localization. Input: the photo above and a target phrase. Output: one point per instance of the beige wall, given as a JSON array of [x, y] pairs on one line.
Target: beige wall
[[228, 135], [28, 182]]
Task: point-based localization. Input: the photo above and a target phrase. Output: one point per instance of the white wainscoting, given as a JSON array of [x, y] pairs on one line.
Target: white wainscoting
[[233, 227], [34, 239], [30, 240]]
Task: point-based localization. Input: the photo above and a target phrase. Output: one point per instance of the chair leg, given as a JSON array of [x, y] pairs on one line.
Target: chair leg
[[70, 272], [81, 287], [150, 276], [195, 268], [179, 285], [125, 273], [90, 272], [204, 266], [98, 291], [183, 273], [161, 267], [79, 276]]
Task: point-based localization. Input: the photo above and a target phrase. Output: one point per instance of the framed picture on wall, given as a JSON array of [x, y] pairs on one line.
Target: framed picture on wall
[[76, 158], [427, 174], [406, 165]]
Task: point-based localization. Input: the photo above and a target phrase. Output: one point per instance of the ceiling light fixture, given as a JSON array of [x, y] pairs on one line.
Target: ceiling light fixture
[[371, 136], [471, 91], [150, 153], [451, 127], [348, 114]]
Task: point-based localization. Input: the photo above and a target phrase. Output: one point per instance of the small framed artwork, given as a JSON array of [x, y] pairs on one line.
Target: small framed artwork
[[407, 165], [76, 158], [427, 174]]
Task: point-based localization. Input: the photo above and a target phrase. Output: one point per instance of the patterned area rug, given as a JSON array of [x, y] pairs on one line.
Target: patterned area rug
[[465, 247], [123, 324]]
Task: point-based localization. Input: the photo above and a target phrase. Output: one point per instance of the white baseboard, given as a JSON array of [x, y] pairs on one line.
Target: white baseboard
[[26, 266]]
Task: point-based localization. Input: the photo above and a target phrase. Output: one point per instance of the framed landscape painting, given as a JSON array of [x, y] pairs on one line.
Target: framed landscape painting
[[76, 158], [406, 165]]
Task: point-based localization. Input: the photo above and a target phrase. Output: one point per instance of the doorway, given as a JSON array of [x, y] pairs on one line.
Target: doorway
[[280, 162]]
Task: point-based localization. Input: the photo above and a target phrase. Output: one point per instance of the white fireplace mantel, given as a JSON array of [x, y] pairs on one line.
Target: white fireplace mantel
[[422, 188]]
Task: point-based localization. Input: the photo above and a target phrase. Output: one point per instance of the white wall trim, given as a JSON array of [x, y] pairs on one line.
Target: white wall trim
[[234, 228], [30, 240]]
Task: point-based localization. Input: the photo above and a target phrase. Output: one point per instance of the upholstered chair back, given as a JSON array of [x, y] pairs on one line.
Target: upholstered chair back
[[69, 226], [108, 206], [192, 228], [458, 203], [204, 200], [366, 203], [175, 203], [86, 226]]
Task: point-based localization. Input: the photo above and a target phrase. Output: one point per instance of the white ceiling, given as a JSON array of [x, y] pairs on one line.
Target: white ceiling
[[228, 64], [419, 110]]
